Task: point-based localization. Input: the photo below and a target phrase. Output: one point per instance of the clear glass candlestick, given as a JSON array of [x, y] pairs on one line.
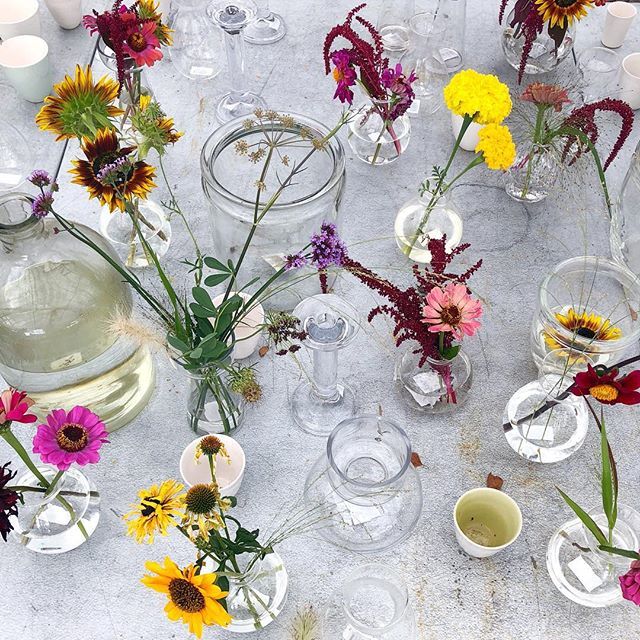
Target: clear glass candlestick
[[320, 404], [232, 16], [267, 28]]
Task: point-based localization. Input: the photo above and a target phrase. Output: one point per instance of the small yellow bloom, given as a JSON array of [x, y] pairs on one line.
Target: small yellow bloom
[[193, 598], [480, 95], [497, 148]]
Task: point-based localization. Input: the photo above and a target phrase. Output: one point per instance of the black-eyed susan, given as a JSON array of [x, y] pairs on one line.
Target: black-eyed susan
[[80, 108], [159, 507], [563, 12], [109, 174], [193, 598]]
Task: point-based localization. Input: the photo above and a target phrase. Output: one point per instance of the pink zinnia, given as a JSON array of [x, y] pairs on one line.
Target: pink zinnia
[[452, 310], [70, 437], [143, 45], [630, 583], [14, 406]]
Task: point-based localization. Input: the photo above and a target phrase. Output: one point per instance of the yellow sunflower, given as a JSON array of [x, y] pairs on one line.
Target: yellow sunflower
[[80, 108], [126, 178], [159, 508], [563, 12], [150, 10], [584, 325], [192, 598]]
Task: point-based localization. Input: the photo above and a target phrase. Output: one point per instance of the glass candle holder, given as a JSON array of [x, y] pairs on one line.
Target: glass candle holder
[[393, 23], [598, 69], [364, 489], [267, 28], [320, 404]]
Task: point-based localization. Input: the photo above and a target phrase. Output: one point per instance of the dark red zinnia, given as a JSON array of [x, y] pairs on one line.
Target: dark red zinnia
[[607, 388]]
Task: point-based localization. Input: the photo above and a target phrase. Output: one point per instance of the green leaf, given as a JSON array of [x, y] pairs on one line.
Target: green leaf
[[586, 519], [202, 297], [214, 263], [608, 502], [178, 344], [212, 281], [196, 353], [202, 312], [449, 353], [634, 555]]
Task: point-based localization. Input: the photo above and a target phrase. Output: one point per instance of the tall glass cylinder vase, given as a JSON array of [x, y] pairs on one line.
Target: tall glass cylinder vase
[[58, 298], [393, 23], [229, 183]]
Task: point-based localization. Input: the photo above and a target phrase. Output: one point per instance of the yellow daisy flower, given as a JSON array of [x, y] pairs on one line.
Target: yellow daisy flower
[[563, 12], [159, 508], [497, 147], [192, 598]]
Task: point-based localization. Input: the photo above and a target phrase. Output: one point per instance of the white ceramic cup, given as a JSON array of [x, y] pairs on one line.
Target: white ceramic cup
[[620, 15], [19, 18], [486, 521], [630, 80], [247, 332], [25, 60], [228, 475], [470, 138], [67, 13]]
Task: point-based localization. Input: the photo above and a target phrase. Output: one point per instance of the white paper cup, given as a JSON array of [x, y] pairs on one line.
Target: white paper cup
[[19, 18], [486, 521], [25, 60], [67, 13], [470, 138], [620, 15], [630, 80]]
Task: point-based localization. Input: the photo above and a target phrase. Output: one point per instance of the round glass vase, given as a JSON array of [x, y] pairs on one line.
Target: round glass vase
[[589, 305], [374, 140], [533, 174], [364, 490], [544, 55], [58, 520], [436, 386], [57, 299], [229, 183], [582, 572], [118, 227], [424, 218]]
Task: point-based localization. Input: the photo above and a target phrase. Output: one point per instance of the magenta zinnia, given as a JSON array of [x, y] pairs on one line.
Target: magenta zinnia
[[452, 310], [70, 437], [630, 583]]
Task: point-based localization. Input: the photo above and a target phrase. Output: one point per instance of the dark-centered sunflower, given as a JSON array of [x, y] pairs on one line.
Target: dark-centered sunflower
[[562, 13], [584, 325], [79, 107], [109, 174]]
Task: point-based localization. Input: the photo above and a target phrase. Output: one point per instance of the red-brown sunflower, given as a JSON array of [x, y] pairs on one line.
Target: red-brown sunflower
[[563, 12], [109, 174]]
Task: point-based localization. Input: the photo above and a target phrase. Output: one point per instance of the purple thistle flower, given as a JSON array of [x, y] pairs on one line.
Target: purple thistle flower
[[40, 178], [327, 248], [42, 204], [295, 261]]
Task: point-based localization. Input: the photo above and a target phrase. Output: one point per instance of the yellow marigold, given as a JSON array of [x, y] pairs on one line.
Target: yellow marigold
[[480, 95], [496, 146]]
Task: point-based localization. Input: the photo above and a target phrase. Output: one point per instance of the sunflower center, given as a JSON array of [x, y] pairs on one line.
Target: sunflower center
[[451, 315], [585, 332], [72, 437], [202, 498], [186, 596], [565, 3], [604, 392], [149, 506], [137, 41]]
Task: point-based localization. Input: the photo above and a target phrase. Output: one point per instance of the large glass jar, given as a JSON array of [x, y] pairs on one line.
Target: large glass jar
[[57, 298], [364, 488], [229, 183], [588, 305]]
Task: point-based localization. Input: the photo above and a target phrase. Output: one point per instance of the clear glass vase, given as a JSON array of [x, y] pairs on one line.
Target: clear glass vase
[[119, 229], [229, 183], [373, 603], [533, 174], [544, 55], [421, 219], [373, 140], [393, 22], [589, 305], [58, 520], [438, 386], [364, 490], [57, 300], [582, 572]]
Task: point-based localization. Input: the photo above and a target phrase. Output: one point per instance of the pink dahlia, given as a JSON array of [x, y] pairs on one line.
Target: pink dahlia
[[452, 310], [14, 406], [344, 75], [630, 583], [70, 437], [143, 45]]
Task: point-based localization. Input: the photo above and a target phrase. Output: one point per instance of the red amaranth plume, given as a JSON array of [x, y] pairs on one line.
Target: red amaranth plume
[[531, 28]]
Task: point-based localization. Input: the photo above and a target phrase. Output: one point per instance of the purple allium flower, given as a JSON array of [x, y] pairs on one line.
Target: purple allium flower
[[327, 248], [344, 75], [40, 178], [110, 173], [294, 261], [42, 204]]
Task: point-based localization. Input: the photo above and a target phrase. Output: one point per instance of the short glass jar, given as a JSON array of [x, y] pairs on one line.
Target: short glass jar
[[533, 174]]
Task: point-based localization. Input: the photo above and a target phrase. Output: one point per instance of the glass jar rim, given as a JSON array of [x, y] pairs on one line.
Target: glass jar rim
[[29, 218], [226, 135]]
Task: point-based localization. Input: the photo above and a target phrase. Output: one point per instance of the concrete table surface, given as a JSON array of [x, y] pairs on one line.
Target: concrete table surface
[[94, 592]]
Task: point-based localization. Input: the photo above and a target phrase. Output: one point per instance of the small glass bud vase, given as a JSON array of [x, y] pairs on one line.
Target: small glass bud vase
[[542, 422], [59, 520], [436, 386], [375, 141], [582, 572], [533, 174]]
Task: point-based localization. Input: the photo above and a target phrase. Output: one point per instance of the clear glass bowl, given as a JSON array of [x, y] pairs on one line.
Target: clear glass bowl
[[533, 174]]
